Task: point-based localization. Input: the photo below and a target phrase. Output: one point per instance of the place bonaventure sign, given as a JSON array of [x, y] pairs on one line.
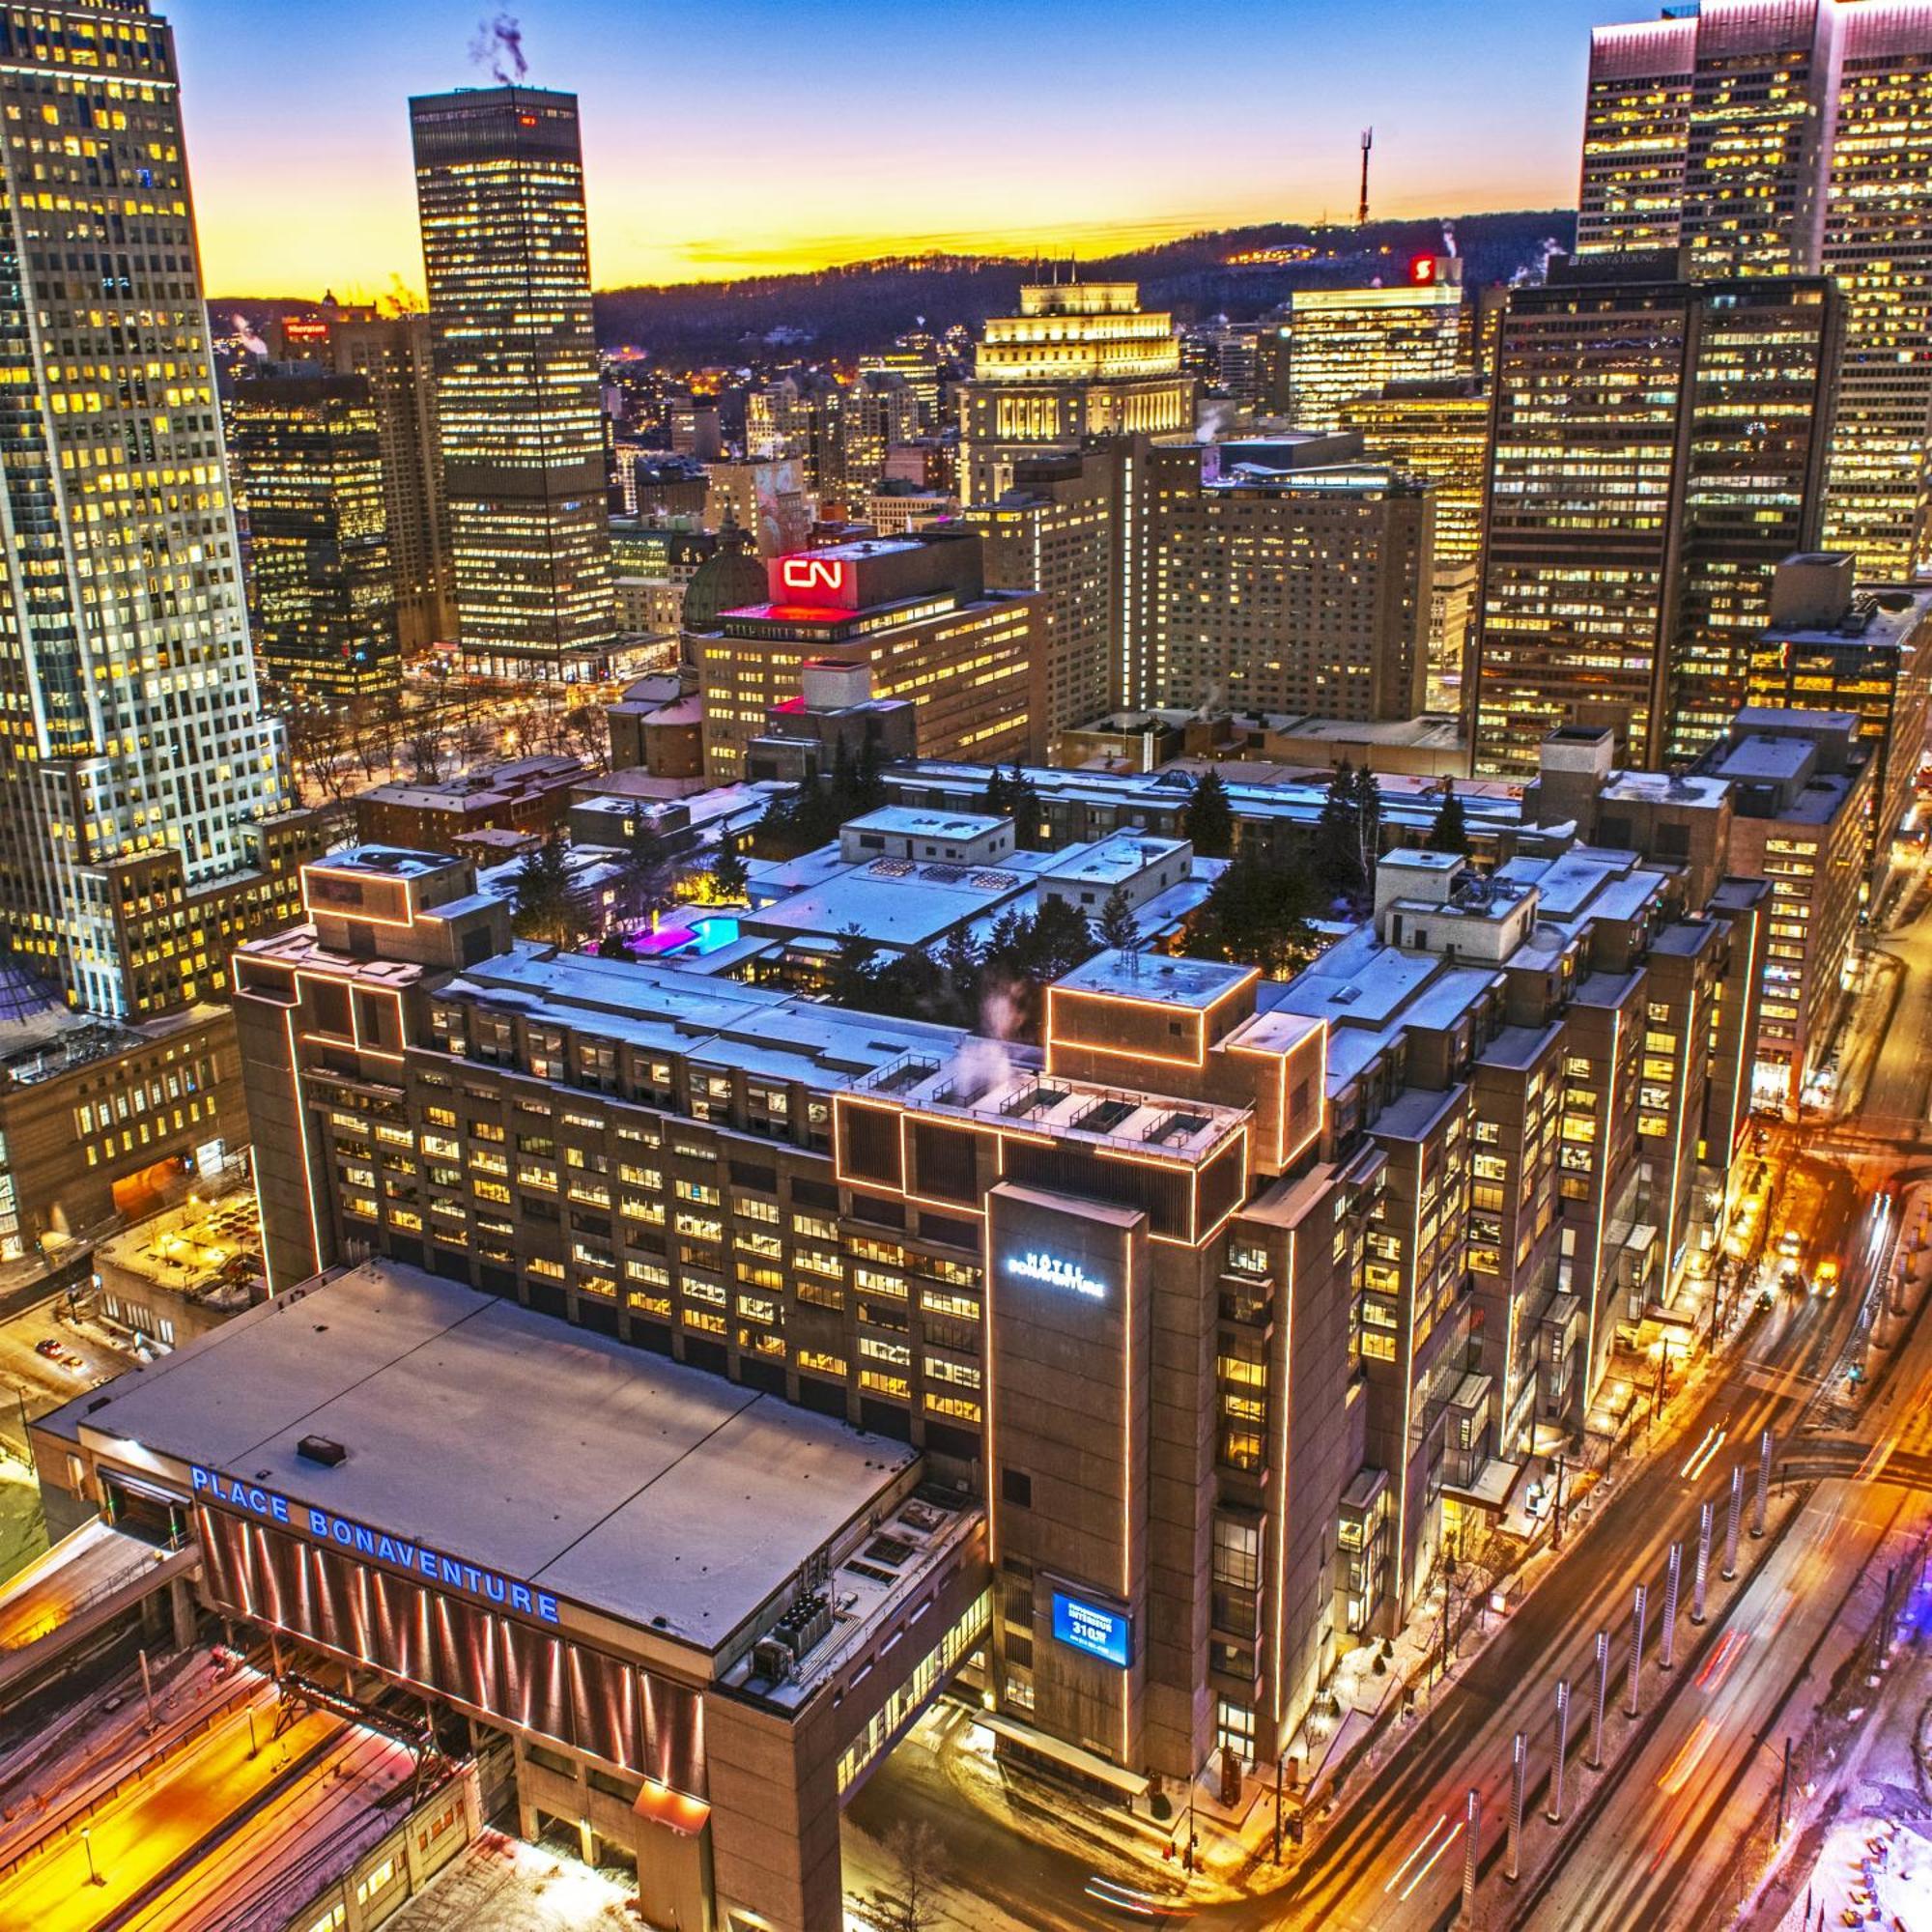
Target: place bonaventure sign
[[400, 1552]]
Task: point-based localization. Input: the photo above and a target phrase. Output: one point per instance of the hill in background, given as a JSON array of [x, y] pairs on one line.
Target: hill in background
[[837, 314]]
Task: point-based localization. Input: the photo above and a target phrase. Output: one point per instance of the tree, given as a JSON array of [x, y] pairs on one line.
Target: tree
[[1256, 913], [1368, 803], [1451, 832], [729, 877], [547, 905], [849, 981], [1119, 928], [1209, 821], [1023, 806], [916, 1870], [1338, 845]]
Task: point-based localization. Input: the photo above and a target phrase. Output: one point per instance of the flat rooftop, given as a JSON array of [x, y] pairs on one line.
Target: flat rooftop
[[671, 1500], [908, 821], [1157, 979]]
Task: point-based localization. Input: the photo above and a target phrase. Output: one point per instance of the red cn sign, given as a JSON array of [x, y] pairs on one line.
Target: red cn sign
[[813, 576]]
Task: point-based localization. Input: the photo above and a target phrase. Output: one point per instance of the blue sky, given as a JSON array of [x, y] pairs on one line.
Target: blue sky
[[728, 139]]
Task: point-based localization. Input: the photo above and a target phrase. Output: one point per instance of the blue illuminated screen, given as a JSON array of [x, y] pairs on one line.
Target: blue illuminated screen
[[1101, 1633]]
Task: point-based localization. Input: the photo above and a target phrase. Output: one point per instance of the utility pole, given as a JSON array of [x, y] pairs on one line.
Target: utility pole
[[1555, 1811], [1472, 1830], [1556, 1536], [1639, 1605], [1518, 1771], [1702, 1574], [1602, 1684], [1667, 1638]]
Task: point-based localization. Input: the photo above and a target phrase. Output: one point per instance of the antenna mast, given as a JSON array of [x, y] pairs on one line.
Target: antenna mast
[[1363, 206]]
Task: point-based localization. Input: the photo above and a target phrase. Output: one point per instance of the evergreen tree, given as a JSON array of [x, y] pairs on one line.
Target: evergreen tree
[[1338, 843], [1451, 832], [850, 979], [546, 905], [1023, 805], [1119, 928], [1057, 938], [1256, 915], [729, 877], [997, 803], [1368, 803], [1209, 821]]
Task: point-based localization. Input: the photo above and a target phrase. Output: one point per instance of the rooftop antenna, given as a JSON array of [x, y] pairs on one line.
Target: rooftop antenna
[[1363, 206]]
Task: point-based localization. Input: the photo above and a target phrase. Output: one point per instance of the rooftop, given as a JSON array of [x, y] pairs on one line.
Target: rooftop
[[670, 1499], [1158, 979]]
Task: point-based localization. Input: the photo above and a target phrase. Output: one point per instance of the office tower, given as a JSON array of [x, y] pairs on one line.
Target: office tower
[[1439, 433], [840, 432], [1056, 532], [1281, 575], [914, 357], [1079, 362], [1831, 646], [1768, 139], [140, 815], [916, 609], [1878, 243], [1659, 449], [1804, 785], [1346, 343], [307, 461], [395, 356], [499, 185]]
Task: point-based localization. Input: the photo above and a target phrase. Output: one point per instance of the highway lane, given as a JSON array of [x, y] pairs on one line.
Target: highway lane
[[1658, 1852], [1343, 1881]]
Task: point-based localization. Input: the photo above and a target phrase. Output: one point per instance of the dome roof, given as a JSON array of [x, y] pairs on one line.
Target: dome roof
[[725, 580]]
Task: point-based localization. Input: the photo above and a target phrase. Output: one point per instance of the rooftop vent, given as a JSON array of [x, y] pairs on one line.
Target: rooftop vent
[[320, 1449]]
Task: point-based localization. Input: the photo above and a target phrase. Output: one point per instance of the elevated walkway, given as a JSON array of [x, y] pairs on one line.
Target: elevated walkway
[[81, 1584]]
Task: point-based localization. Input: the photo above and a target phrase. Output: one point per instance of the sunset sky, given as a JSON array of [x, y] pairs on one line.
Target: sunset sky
[[752, 136]]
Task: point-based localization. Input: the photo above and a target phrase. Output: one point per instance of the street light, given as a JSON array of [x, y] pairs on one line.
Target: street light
[[87, 1843]]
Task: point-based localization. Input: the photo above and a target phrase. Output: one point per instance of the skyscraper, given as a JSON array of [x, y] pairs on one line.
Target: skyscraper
[[1790, 136], [499, 185], [1080, 362], [1346, 343], [395, 356], [1659, 449], [142, 785], [1439, 433], [308, 466]]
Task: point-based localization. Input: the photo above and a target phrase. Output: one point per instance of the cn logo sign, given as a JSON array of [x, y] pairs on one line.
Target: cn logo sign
[[811, 573]]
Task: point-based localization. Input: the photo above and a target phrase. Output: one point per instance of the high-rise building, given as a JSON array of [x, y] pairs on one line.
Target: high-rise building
[[1878, 243], [1790, 136], [142, 802], [1081, 361], [914, 609], [1279, 575], [395, 356], [499, 185], [1439, 433], [1659, 449], [1831, 646], [307, 458], [1056, 532], [1347, 343]]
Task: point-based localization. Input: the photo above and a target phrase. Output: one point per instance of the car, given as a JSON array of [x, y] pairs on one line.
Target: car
[[47, 1345]]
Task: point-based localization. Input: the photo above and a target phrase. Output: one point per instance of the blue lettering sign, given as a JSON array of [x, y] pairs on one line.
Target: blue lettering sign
[[1055, 1271], [326, 1526], [1103, 1634]]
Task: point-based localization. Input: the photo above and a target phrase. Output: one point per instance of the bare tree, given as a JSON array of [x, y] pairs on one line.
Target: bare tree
[[909, 1901]]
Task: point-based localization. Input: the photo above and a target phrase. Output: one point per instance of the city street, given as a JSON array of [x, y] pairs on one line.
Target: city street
[[1654, 1837]]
